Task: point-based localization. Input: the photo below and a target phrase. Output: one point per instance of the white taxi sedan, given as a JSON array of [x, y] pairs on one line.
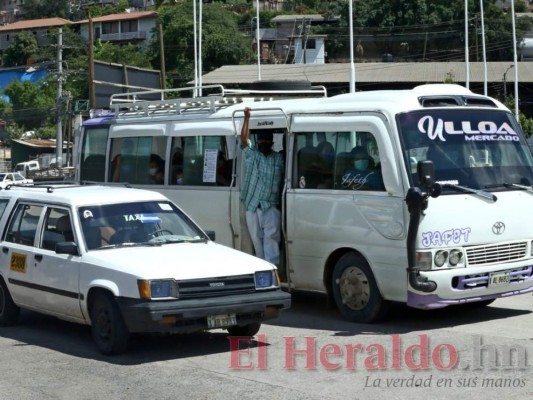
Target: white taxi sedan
[[13, 178], [125, 260]]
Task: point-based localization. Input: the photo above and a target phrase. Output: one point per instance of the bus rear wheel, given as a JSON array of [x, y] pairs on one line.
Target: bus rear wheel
[[355, 291]]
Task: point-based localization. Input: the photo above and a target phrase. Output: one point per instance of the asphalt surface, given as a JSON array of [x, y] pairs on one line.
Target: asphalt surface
[[310, 352]]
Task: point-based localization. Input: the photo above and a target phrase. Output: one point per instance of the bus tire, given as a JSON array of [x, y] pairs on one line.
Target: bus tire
[[245, 330], [9, 312], [109, 331], [355, 291]]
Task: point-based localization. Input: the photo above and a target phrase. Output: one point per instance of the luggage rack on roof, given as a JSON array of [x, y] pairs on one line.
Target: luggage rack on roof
[[144, 103], [50, 186]]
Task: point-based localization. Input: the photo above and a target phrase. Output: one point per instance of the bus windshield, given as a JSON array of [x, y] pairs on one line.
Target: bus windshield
[[481, 149]]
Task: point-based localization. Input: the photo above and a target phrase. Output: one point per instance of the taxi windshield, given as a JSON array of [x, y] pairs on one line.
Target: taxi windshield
[[478, 149], [140, 223]]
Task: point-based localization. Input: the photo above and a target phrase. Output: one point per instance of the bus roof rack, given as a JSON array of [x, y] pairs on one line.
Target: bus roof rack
[[169, 101]]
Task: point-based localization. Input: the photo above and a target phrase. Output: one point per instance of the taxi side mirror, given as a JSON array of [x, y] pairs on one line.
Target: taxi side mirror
[[67, 248]]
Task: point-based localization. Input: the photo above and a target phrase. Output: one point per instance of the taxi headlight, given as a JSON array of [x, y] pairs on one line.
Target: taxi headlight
[[266, 279], [441, 257], [157, 289], [456, 256]]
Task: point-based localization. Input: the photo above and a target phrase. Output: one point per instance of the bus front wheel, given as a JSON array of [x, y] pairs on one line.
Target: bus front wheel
[[355, 291]]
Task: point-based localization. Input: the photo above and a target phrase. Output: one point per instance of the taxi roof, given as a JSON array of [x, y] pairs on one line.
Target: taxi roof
[[80, 195]]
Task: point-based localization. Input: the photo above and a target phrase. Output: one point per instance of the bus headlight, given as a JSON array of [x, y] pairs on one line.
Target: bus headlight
[[441, 257], [424, 260], [456, 256]]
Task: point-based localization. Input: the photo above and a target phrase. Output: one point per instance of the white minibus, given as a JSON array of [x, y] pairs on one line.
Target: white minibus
[[437, 217]]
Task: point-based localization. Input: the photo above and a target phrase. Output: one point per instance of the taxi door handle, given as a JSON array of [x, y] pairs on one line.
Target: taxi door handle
[[5, 250], [38, 257]]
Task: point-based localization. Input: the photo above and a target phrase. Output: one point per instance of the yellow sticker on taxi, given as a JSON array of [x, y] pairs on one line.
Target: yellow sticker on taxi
[[18, 262]]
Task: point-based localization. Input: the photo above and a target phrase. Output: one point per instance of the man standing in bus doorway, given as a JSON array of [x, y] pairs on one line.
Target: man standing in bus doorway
[[261, 191]]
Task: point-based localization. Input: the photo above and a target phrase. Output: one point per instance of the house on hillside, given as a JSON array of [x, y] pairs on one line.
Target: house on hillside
[[39, 27], [132, 27]]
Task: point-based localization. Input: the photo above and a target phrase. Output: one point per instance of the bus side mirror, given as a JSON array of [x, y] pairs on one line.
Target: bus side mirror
[[426, 173], [211, 235]]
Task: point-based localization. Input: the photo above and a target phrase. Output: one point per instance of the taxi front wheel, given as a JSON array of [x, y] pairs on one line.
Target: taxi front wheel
[[107, 326], [9, 312]]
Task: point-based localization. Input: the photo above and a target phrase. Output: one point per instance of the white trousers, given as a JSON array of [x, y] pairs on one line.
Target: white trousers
[[265, 231]]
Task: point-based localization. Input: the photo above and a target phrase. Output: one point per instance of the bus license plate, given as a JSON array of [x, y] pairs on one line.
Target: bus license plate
[[220, 321], [499, 278]]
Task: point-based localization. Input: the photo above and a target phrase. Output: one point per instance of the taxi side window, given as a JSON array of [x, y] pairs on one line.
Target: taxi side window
[[3, 205], [23, 226], [57, 228]]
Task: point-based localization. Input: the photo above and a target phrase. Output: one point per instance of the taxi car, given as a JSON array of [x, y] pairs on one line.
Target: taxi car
[[125, 260], [13, 178]]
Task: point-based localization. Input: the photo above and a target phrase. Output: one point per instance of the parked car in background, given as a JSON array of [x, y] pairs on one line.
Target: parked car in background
[[24, 167], [13, 178]]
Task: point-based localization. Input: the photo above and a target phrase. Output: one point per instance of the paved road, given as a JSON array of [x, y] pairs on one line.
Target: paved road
[[446, 354]]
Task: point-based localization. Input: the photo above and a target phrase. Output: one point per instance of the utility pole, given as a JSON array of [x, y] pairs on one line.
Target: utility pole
[[59, 100], [162, 58], [92, 90]]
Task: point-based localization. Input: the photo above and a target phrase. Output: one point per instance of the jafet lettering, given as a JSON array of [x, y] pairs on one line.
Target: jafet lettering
[[486, 129], [444, 238]]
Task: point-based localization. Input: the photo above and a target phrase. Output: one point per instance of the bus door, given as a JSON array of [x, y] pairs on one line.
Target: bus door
[[201, 177], [344, 194]]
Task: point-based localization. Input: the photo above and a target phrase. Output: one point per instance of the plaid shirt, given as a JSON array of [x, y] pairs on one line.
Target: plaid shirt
[[262, 182]]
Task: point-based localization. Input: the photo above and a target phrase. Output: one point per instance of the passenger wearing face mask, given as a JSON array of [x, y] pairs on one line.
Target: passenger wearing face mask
[[362, 175], [261, 192], [155, 171]]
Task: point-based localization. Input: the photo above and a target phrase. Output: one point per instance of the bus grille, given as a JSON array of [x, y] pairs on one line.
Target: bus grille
[[468, 282], [220, 286], [498, 253]]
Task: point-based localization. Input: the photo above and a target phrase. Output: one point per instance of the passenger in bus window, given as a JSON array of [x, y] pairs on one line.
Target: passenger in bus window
[[124, 163], [156, 171], [223, 170], [326, 159], [261, 192], [178, 176], [363, 174]]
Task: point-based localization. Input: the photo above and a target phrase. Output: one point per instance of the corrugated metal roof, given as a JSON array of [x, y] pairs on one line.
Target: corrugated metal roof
[[41, 143], [297, 17], [121, 16], [34, 23], [429, 72]]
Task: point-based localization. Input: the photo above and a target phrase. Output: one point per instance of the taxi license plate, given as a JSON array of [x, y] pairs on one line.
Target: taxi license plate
[[499, 278], [222, 320]]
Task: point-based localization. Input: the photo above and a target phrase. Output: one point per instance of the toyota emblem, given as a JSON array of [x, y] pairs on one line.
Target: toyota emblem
[[498, 228]]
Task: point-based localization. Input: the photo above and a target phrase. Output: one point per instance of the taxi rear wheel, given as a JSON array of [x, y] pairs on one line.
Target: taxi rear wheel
[[9, 312], [107, 326], [245, 330]]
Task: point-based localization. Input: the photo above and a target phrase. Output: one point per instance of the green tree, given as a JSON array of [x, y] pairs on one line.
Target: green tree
[[222, 43], [32, 105], [20, 52], [128, 54], [35, 9]]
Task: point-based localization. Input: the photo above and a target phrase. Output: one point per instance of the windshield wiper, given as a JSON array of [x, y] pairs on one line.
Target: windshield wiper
[[129, 244], [464, 189], [510, 185]]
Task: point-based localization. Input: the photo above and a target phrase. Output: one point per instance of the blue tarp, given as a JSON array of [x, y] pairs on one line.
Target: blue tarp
[[6, 77]]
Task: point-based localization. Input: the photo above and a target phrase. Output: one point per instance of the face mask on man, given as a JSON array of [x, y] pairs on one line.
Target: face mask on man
[[265, 148], [361, 165]]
